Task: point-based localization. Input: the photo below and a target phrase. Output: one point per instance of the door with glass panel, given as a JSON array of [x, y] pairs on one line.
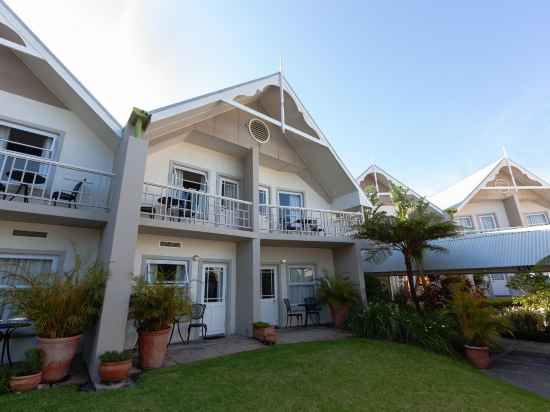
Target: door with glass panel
[[230, 213], [214, 297], [290, 214], [264, 210], [269, 301]]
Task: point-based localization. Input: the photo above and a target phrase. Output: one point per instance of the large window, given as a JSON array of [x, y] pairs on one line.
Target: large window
[[488, 222], [189, 178], [534, 219], [290, 215], [168, 272], [268, 283], [466, 222], [24, 265], [301, 283]]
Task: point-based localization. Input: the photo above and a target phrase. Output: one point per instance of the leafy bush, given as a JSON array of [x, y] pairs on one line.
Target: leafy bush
[[261, 325], [337, 291], [60, 306], [501, 303], [538, 301], [115, 356], [156, 306], [376, 290]]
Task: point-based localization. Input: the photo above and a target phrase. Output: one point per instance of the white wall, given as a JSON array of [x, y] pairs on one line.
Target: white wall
[[528, 206], [278, 180], [474, 209]]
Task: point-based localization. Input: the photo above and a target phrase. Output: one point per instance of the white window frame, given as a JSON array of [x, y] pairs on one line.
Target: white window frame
[[264, 189], [34, 130], [54, 258], [224, 179], [537, 214], [311, 283], [485, 215], [288, 192], [273, 271], [176, 166], [185, 263], [468, 217]]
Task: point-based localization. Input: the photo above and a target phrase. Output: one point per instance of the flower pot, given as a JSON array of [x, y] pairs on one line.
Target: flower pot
[[266, 335], [58, 354], [152, 348], [25, 383], [115, 371], [478, 355], [339, 315]]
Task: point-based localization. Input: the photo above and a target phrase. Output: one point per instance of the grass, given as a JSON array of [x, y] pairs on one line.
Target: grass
[[345, 375]]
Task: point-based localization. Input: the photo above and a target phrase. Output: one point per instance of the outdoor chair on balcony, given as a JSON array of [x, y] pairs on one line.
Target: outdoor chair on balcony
[[313, 308], [70, 197], [197, 319], [3, 190], [291, 314]]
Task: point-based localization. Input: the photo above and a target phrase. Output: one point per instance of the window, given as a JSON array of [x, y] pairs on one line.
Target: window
[[466, 222], [290, 216], [487, 222], [27, 265], [537, 219], [263, 200], [498, 276], [301, 283], [229, 188], [268, 283], [189, 179], [213, 284], [167, 271]]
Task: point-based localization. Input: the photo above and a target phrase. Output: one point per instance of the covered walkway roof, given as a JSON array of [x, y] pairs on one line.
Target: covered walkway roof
[[502, 251]]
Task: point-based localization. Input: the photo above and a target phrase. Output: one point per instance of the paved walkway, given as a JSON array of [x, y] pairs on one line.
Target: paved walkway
[[211, 348]]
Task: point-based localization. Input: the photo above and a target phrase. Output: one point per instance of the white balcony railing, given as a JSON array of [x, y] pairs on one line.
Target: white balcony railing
[[297, 220], [177, 204], [33, 179]]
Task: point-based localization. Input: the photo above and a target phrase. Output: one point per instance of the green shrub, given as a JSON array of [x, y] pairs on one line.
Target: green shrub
[[376, 290], [337, 291], [526, 325], [501, 303], [60, 306], [115, 356], [156, 306]]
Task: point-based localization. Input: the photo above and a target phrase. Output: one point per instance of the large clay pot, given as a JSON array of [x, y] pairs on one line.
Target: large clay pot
[[266, 335], [58, 354], [478, 356], [339, 315], [25, 383], [115, 371], [152, 348]]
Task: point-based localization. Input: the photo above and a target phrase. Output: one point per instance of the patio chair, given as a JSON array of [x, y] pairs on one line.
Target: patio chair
[[3, 189], [70, 197], [312, 309], [197, 319], [291, 314]]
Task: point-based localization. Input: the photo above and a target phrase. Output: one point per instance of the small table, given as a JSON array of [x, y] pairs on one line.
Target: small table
[[25, 179], [6, 330]]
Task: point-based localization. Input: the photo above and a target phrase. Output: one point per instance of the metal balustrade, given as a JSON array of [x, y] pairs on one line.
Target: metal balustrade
[[176, 204], [297, 220], [33, 179]]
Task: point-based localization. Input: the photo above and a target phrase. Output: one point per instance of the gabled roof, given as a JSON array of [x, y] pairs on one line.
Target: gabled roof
[[237, 97], [378, 170], [56, 77], [457, 195]]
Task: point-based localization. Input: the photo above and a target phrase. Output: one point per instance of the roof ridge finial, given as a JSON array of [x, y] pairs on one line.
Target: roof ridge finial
[[504, 152]]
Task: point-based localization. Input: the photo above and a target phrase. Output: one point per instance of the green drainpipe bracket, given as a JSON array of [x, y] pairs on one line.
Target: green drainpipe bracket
[[140, 120]]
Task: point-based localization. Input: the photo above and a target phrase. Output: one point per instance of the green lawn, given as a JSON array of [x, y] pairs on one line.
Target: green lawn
[[352, 374]]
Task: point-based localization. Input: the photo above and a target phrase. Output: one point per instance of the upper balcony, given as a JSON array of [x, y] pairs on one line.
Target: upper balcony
[[36, 185]]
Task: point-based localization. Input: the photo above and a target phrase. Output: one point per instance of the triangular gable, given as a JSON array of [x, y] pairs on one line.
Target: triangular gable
[[63, 84]]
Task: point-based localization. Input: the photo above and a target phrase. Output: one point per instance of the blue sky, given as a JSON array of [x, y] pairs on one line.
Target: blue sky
[[428, 90]]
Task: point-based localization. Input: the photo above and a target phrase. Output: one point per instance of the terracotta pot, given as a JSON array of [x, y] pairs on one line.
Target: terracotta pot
[[25, 383], [478, 355], [152, 348], [58, 354], [266, 335], [115, 371], [339, 315]]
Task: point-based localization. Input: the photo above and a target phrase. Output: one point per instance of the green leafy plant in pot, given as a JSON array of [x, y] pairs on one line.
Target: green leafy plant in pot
[[27, 375], [339, 293], [61, 307], [265, 333], [154, 308], [115, 366], [478, 322]]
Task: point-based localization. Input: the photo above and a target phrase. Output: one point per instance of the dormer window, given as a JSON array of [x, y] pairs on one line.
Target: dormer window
[[488, 222], [539, 218], [466, 222]]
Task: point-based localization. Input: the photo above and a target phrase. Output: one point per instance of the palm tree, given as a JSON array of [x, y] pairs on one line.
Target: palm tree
[[409, 231]]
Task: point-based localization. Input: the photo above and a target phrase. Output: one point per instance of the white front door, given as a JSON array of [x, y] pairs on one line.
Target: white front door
[[215, 280], [269, 303]]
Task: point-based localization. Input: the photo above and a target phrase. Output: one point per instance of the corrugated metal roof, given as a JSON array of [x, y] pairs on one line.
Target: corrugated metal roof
[[509, 250]]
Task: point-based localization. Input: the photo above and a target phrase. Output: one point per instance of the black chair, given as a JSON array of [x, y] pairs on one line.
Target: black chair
[[291, 314], [68, 196], [3, 189], [197, 319], [312, 309], [175, 325]]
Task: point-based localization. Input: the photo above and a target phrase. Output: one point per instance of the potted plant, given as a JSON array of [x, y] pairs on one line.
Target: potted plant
[[60, 308], [265, 333], [154, 308], [28, 375], [339, 294], [478, 322], [115, 366]]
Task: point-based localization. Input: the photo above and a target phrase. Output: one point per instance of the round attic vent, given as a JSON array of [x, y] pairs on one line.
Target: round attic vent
[[258, 130]]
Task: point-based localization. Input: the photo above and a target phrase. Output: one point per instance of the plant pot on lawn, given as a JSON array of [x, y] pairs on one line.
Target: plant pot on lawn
[[28, 376], [154, 308], [60, 308], [479, 356], [265, 333], [339, 294], [115, 366]]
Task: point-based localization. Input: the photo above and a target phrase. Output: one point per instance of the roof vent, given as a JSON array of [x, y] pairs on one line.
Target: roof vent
[[258, 130]]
